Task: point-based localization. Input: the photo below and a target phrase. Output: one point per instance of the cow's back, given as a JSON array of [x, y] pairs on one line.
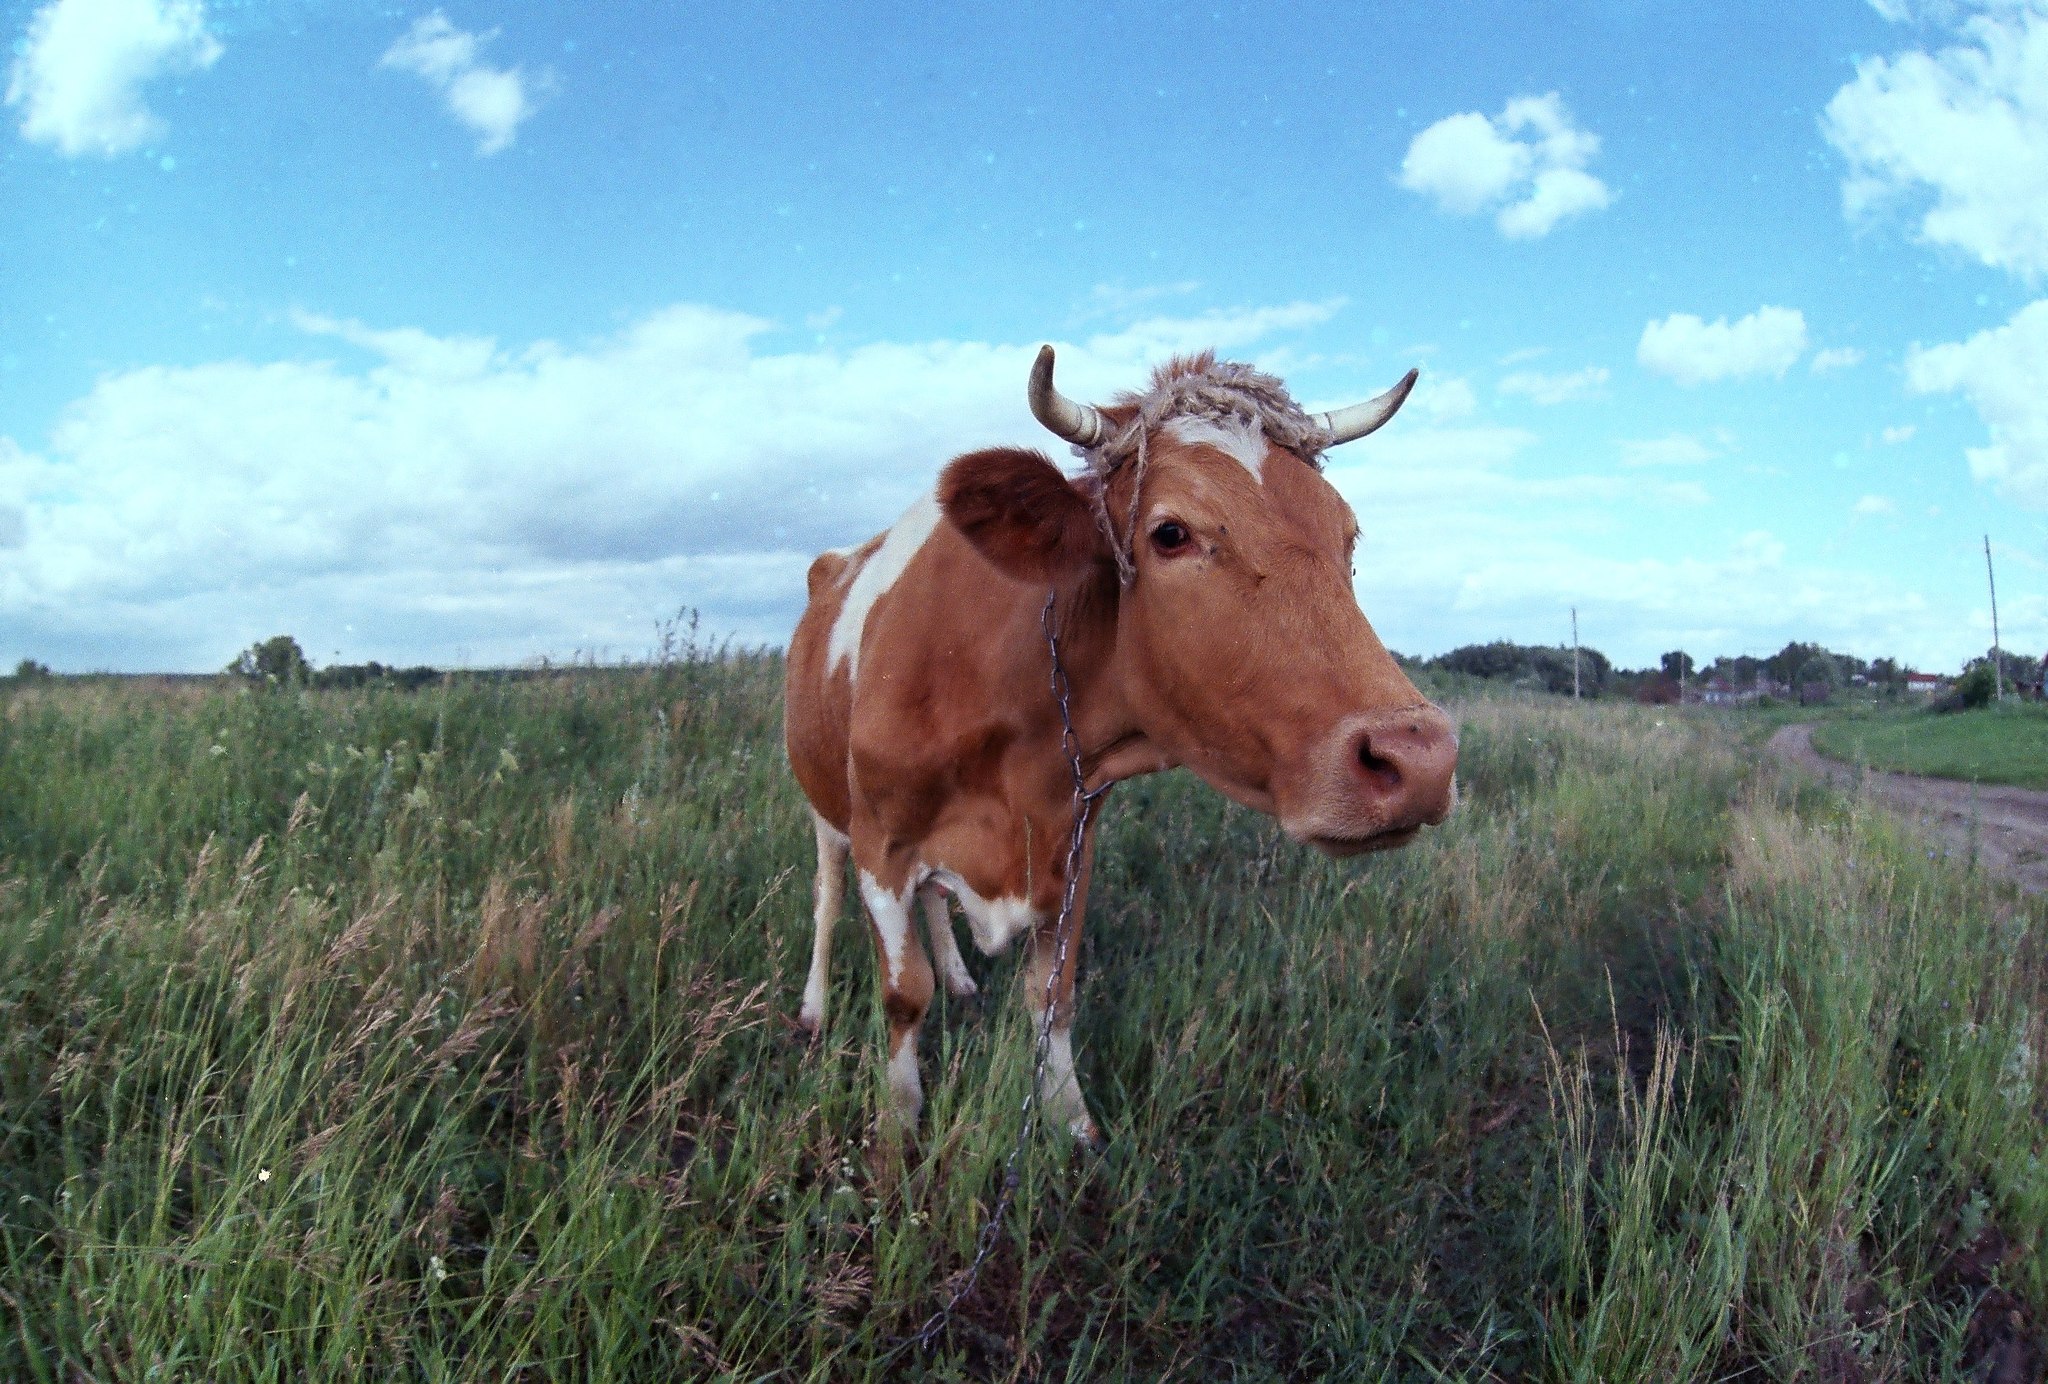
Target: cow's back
[[915, 670], [817, 698]]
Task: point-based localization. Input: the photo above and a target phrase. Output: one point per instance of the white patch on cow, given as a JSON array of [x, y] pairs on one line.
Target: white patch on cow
[[891, 913], [827, 834], [995, 923], [1060, 1090], [876, 576], [1245, 442], [827, 895], [906, 1092]]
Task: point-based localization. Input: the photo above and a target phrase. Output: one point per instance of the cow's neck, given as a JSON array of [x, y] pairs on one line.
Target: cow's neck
[[1114, 746]]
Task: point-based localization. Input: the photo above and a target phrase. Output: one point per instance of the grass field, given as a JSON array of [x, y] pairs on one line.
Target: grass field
[[1999, 744], [446, 1035]]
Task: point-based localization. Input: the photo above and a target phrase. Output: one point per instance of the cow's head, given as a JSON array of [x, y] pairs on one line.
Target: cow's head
[[1239, 645]]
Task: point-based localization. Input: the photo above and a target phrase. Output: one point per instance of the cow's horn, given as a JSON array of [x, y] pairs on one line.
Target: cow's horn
[[1350, 424], [1077, 423]]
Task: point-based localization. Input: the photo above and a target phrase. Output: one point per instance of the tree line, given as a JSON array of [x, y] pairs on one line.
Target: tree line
[[1798, 667], [279, 662]]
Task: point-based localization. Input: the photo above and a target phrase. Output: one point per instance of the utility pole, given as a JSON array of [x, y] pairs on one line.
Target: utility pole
[[1575, 643], [1997, 672]]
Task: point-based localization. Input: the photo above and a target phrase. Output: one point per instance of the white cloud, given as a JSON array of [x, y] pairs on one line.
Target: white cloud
[[1693, 352], [1556, 389], [1892, 436], [1422, 457], [1472, 534], [1218, 329], [1557, 193], [1834, 358], [1529, 162], [456, 498], [2003, 372], [1467, 540], [1963, 130], [492, 101], [81, 66], [1464, 163], [1871, 505], [1678, 449], [1442, 399]]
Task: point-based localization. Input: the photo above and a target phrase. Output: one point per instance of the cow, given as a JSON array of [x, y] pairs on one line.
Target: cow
[[1195, 578]]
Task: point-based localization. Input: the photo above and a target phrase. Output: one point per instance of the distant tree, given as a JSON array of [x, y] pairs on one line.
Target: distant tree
[[2019, 670], [1738, 671], [1544, 666], [1821, 669], [347, 675], [1500, 659], [1784, 665], [277, 661], [1817, 679], [1676, 665], [1972, 690], [29, 669]]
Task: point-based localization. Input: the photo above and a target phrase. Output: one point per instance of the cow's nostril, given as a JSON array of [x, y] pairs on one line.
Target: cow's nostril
[[1383, 773]]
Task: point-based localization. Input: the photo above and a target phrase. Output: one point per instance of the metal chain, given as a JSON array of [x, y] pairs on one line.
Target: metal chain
[[1084, 810]]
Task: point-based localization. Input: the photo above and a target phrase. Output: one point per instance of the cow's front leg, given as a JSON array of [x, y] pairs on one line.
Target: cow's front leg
[[906, 994], [1059, 1090]]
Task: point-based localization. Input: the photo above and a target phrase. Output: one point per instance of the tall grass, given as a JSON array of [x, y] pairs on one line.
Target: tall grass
[[447, 1035]]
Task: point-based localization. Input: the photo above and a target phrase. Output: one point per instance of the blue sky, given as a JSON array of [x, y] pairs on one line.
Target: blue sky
[[481, 333]]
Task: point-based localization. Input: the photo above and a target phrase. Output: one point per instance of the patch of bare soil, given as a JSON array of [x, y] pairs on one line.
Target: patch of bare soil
[[2000, 1345], [2006, 829]]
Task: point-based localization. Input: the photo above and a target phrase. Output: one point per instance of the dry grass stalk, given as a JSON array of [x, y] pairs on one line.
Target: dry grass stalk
[[510, 930], [562, 834]]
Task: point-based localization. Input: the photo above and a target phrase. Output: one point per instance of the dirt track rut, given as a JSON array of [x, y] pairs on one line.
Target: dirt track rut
[[2007, 827]]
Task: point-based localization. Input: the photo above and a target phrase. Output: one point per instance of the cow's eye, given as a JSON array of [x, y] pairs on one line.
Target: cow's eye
[[1170, 536]]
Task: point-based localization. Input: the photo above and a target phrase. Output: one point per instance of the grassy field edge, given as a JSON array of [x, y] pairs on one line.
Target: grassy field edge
[[448, 1032], [1996, 745]]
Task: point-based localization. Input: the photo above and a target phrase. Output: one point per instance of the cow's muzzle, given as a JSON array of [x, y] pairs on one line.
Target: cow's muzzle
[[1376, 780]]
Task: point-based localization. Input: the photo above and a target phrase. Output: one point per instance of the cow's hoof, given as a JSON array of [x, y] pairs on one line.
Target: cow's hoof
[[960, 985], [807, 1029]]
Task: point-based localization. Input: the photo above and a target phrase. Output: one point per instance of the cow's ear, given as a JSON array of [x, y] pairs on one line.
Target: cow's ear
[[1021, 514]]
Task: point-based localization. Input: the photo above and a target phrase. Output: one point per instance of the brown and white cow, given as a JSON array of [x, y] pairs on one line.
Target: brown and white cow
[[1200, 571]]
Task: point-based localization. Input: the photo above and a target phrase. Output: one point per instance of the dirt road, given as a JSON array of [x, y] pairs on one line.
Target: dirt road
[[2007, 827]]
